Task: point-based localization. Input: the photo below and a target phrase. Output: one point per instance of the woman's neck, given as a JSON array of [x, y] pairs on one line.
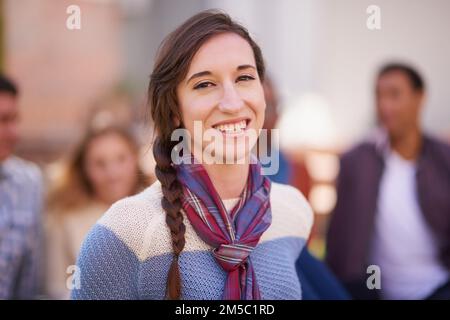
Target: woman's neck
[[103, 201], [229, 180]]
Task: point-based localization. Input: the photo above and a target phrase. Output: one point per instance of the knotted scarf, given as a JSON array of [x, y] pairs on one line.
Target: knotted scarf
[[234, 234]]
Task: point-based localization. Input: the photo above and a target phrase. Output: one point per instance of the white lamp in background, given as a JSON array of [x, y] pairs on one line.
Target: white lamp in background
[[307, 122], [307, 127]]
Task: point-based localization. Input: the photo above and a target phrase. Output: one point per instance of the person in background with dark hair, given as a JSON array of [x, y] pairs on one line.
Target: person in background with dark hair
[[318, 282], [284, 172], [20, 206], [393, 206]]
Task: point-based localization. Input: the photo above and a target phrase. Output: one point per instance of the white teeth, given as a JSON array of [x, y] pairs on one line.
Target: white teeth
[[233, 127]]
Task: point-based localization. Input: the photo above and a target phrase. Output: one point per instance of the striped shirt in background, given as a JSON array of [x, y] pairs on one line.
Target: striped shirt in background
[[20, 228]]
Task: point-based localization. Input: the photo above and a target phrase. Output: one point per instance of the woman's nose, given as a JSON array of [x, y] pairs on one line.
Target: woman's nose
[[231, 101]]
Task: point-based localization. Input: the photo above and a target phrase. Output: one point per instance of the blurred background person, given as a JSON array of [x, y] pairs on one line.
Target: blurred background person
[[20, 206], [318, 282], [284, 172], [104, 169], [393, 206]]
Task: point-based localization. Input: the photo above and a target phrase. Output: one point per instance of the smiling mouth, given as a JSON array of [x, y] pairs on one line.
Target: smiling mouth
[[233, 127]]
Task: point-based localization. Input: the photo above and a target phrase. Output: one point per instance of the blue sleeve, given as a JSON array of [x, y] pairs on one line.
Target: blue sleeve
[[29, 279], [318, 282], [106, 268]]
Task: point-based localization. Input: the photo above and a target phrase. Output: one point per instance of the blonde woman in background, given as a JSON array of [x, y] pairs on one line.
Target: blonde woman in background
[[103, 170]]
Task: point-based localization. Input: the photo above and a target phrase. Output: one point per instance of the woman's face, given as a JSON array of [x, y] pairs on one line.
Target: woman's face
[[111, 167], [222, 90]]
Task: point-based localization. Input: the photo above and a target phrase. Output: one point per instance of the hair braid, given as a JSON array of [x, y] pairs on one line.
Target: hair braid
[[171, 203]]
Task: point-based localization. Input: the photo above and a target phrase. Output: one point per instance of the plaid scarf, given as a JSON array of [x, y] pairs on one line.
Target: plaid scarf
[[233, 234]]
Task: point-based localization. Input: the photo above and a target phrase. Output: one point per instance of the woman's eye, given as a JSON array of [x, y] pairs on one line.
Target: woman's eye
[[202, 85], [245, 78]]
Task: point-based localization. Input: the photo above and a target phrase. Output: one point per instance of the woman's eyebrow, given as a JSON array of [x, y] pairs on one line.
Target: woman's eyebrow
[[245, 66], [207, 73], [198, 74]]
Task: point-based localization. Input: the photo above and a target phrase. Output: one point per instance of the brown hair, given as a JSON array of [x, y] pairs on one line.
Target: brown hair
[[72, 188], [171, 66]]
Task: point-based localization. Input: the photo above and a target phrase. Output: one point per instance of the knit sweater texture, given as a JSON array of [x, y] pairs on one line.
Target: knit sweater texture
[[127, 253]]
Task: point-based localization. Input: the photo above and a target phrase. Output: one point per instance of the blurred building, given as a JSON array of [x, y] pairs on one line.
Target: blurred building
[[61, 72]]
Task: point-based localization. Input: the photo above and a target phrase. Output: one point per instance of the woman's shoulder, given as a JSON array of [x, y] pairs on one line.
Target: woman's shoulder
[[130, 218], [137, 208], [291, 212], [112, 251], [127, 234]]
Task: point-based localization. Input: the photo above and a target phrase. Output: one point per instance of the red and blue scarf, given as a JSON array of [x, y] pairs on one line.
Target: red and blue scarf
[[233, 234]]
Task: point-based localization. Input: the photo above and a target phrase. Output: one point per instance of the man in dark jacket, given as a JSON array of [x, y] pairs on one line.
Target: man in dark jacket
[[393, 204]]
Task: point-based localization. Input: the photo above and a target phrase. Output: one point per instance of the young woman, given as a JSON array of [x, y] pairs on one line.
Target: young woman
[[104, 169], [203, 230]]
